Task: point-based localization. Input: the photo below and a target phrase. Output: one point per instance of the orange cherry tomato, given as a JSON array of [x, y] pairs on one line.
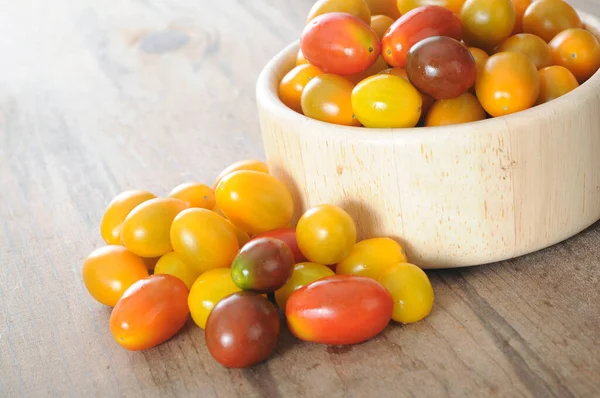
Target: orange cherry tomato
[[555, 81], [326, 234], [530, 45], [358, 8], [509, 83], [386, 101], [380, 24], [577, 50], [373, 70], [150, 312], [463, 109], [195, 194], [405, 6], [480, 58], [547, 18], [520, 8], [486, 23], [370, 257], [293, 83], [255, 202], [254, 165], [146, 228], [384, 7], [328, 98], [111, 225], [173, 264], [109, 271], [204, 239], [288, 235], [300, 60]]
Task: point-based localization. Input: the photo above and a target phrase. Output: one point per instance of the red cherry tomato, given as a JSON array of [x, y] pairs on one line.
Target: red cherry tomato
[[340, 43], [288, 235], [414, 26], [338, 310]]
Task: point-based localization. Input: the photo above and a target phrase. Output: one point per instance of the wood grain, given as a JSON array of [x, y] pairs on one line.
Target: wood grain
[[97, 97]]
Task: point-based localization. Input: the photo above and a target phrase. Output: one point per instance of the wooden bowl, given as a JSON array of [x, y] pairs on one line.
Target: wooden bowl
[[455, 196]]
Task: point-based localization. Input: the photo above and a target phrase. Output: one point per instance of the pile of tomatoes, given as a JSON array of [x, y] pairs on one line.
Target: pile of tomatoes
[[228, 256], [454, 62]]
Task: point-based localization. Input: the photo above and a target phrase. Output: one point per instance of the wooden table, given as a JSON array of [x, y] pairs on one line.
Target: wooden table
[[97, 97]]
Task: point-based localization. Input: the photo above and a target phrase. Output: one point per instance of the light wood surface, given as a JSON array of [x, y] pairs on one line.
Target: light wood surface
[[97, 97]]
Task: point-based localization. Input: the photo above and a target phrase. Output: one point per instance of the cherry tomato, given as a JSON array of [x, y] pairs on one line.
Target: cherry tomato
[[427, 101], [263, 265], [400, 72], [208, 289], [416, 25], [173, 264], [255, 202], [509, 83], [463, 109], [386, 101], [242, 330], [340, 43], [370, 257], [150, 312], [357, 8], [532, 46], [111, 225], [287, 235], [486, 23], [480, 58], [373, 70], [195, 194], [339, 310], [441, 67], [300, 60], [577, 50], [384, 7], [242, 237], [253, 165], [411, 291], [555, 81], [146, 228], [547, 18], [326, 234], [328, 98], [407, 5], [109, 271], [380, 24], [304, 274], [520, 7], [293, 83]]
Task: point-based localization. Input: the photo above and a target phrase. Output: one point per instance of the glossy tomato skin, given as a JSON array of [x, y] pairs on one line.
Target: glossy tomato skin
[[441, 67], [340, 43], [195, 194], [327, 98], [150, 312], [414, 26], [380, 24], [173, 264], [263, 265], [530, 45], [146, 228], [480, 57], [251, 209], [249, 164], [577, 50], [427, 101], [326, 234], [109, 271], [404, 6], [520, 8], [287, 235], [547, 18], [118, 209], [304, 274], [339, 310], [293, 83], [204, 239], [358, 8], [555, 81], [370, 257], [463, 109], [486, 23], [242, 330], [208, 289]]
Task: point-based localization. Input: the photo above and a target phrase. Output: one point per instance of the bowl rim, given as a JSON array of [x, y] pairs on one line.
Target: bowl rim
[[268, 97]]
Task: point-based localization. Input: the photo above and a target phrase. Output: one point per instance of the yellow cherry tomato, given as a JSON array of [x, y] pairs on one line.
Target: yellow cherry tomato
[[195, 194], [358, 8], [384, 7], [405, 6], [555, 81], [386, 101], [251, 164], [380, 24], [300, 60], [146, 228], [111, 225], [109, 271], [210, 288], [377, 67], [530, 45], [293, 83], [204, 239], [371, 257], [304, 274], [463, 109], [173, 264], [255, 202], [326, 234], [577, 50], [327, 98], [411, 291], [486, 23]]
